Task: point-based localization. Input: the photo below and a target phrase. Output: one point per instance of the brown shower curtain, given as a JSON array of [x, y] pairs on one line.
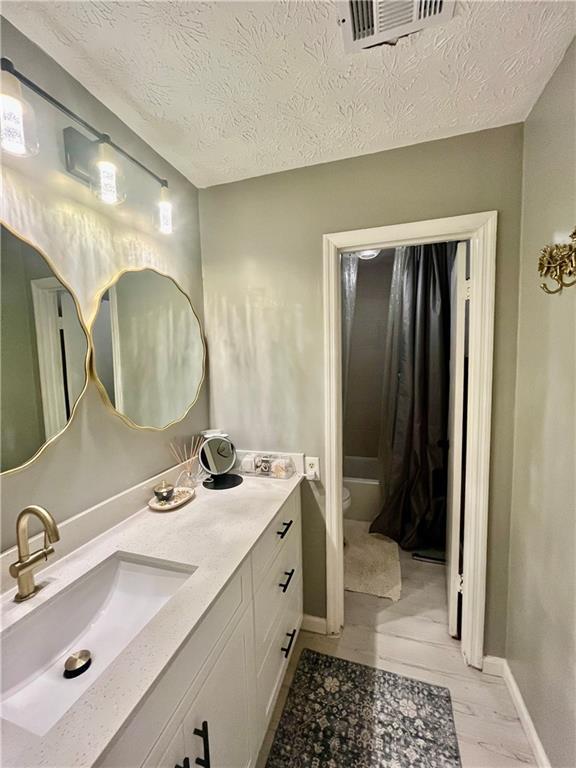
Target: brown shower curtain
[[414, 439]]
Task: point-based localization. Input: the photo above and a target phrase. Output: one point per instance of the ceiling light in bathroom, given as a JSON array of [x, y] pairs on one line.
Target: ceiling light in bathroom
[[165, 211], [17, 119], [108, 182], [368, 254]]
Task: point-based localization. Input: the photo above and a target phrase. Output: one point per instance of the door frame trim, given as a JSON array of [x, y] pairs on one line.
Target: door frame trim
[[480, 230], [47, 324]]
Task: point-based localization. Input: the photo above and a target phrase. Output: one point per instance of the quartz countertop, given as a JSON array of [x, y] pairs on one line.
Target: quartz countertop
[[214, 532]]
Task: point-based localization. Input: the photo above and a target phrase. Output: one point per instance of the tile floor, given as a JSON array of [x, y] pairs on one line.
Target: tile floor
[[410, 638]]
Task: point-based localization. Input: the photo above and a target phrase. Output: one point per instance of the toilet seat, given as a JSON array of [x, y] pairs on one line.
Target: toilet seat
[[346, 498]]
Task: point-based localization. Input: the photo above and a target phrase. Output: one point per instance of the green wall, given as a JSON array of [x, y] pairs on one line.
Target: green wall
[[541, 637], [262, 262]]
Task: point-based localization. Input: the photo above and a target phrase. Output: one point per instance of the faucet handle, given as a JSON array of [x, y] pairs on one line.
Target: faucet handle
[[26, 565]]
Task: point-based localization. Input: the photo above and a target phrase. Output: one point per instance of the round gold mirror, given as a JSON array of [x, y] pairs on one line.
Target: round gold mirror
[[44, 353], [148, 349]]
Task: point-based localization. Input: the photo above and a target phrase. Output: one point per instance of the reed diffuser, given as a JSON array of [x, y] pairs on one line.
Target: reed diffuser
[[186, 454]]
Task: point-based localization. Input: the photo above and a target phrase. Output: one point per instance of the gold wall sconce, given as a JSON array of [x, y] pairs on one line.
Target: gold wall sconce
[[558, 263]]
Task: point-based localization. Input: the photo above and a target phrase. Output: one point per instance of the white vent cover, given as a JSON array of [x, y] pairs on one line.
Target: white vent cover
[[366, 23]]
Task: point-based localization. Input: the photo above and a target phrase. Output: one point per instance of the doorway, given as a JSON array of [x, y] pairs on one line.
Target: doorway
[[401, 319], [480, 231], [61, 352]]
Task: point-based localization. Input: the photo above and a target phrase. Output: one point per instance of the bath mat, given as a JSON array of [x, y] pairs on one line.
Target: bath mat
[[340, 714], [371, 562]]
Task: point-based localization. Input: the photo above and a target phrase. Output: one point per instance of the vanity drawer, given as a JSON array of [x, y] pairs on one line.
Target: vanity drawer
[[273, 669], [281, 531], [282, 579]]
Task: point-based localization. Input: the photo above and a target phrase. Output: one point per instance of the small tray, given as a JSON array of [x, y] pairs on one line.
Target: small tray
[[181, 496]]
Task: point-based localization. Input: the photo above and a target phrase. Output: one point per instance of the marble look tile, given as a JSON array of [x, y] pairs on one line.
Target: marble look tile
[[411, 638]]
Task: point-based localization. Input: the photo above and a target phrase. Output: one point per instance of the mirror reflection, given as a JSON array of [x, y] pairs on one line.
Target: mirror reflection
[[217, 455], [148, 349], [44, 350]]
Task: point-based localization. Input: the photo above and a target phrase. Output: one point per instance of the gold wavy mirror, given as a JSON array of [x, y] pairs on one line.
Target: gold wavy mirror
[[148, 349], [44, 353]]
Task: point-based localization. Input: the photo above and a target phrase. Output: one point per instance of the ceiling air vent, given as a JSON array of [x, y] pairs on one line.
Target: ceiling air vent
[[366, 23]]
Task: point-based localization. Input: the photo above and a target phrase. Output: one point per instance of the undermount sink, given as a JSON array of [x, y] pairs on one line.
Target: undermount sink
[[101, 612]]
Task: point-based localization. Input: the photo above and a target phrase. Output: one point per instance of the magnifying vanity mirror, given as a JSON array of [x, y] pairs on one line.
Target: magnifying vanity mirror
[[44, 353], [148, 349], [217, 457]]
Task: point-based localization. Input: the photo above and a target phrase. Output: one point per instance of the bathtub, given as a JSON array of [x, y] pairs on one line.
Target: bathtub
[[361, 479], [361, 467]]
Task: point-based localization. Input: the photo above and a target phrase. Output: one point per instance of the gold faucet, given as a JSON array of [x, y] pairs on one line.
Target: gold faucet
[[23, 568]]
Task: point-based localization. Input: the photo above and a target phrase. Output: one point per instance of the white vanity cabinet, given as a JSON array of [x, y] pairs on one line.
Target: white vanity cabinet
[[214, 723], [219, 728], [277, 604], [212, 705], [171, 755]]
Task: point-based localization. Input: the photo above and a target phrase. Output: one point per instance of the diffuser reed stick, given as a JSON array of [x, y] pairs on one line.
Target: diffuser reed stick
[[186, 453]]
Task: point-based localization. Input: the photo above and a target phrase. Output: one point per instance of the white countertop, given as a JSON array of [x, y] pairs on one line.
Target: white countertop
[[215, 532]]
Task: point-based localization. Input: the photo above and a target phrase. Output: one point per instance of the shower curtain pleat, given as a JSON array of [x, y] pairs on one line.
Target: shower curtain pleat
[[414, 418], [349, 269]]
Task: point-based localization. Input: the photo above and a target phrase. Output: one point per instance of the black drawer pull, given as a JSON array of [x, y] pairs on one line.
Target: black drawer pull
[[286, 649], [203, 733], [185, 764], [286, 528], [286, 584]]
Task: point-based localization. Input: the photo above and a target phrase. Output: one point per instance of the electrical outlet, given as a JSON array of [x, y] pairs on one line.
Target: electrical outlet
[[312, 467]]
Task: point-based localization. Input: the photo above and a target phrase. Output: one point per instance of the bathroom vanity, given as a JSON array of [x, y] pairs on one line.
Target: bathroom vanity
[[199, 680]]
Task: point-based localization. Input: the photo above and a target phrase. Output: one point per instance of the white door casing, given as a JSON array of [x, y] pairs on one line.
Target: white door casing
[[480, 230], [116, 351], [45, 302], [455, 424], [74, 347]]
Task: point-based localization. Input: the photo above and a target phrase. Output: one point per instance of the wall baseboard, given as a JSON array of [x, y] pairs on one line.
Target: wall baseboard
[[499, 667], [494, 665], [314, 624]]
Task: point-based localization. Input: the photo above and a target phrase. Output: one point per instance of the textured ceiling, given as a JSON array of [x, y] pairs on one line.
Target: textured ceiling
[[229, 90]]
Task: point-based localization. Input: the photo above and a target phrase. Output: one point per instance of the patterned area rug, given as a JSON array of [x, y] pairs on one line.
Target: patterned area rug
[[345, 715]]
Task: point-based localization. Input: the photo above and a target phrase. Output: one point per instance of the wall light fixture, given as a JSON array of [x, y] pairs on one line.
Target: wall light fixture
[[558, 262], [94, 162], [165, 211], [17, 120], [108, 182]]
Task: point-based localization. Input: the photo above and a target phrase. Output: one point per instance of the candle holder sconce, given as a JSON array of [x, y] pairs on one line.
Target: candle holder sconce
[[558, 263]]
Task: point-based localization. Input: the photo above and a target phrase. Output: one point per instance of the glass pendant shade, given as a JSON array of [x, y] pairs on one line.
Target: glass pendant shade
[[108, 181], [165, 212], [18, 135]]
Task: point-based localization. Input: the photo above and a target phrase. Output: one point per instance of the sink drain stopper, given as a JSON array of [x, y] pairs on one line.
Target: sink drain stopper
[[77, 663]]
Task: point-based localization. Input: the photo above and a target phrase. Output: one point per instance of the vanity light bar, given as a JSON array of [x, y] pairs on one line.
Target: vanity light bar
[[8, 66]]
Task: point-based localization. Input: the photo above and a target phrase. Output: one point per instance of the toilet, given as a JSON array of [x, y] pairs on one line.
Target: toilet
[[346, 502], [346, 499]]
